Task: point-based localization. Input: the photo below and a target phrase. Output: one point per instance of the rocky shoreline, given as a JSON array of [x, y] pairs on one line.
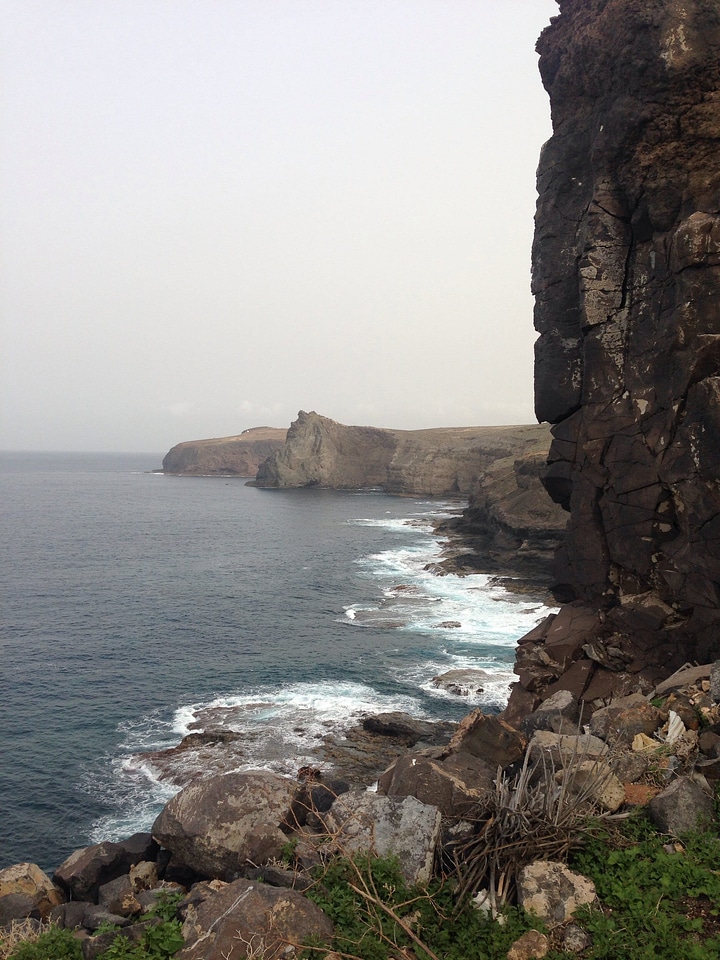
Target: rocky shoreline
[[223, 834]]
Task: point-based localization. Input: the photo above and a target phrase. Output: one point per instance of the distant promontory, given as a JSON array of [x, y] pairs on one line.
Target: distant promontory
[[238, 456]]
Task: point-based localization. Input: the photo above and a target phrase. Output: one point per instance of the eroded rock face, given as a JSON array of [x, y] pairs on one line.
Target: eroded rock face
[[626, 276], [438, 462], [238, 456]]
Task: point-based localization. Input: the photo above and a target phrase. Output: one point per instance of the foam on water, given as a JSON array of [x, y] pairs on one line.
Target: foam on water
[[278, 726]]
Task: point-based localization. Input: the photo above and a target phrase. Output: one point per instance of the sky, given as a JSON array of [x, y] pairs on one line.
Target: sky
[[215, 213]]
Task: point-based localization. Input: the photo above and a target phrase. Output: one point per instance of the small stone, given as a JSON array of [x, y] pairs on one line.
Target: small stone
[[575, 939], [530, 945], [552, 891]]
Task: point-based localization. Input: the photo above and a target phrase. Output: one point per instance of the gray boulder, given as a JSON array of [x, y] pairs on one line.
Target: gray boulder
[[369, 823], [682, 807], [225, 824]]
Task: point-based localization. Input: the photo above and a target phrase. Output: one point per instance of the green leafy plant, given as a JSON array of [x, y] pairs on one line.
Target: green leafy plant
[[50, 943], [160, 941], [166, 905]]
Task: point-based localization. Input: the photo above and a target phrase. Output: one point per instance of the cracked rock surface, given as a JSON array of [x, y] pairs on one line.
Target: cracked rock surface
[[626, 276]]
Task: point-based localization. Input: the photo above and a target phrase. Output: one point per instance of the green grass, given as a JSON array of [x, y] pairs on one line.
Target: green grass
[[375, 915], [654, 904]]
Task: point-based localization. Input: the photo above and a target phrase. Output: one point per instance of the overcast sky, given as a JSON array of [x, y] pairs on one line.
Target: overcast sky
[[218, 212]]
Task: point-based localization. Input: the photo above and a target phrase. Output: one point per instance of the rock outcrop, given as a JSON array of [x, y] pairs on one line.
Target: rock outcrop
[[445, 461], [238, 456], [510, 527], [626, 276]]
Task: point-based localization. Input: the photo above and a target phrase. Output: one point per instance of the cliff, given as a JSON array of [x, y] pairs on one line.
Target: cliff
[[511, 527], [446, 461], [626, 276], [238, 456]]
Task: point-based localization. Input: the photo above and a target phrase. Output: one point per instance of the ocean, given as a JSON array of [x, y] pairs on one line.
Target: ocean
[[134, 604]]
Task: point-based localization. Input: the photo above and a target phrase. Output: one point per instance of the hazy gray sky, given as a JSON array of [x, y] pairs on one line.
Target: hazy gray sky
[[218, 212]]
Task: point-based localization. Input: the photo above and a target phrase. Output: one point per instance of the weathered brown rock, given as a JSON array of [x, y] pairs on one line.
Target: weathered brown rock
[[250, 919], [220, 825], [455, 785], [488, 737], [88, 868], [626, 276], [238, 456], [29, 881]]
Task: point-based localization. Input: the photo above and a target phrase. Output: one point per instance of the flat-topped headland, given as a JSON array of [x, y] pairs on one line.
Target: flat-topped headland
[[236, 456]]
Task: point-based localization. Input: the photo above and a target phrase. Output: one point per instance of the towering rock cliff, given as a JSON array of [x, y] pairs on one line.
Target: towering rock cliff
[[445, 461], [626, 276]]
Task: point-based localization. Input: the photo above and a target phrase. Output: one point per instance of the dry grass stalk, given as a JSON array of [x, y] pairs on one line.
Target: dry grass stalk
[[529, 817], [20, 931]]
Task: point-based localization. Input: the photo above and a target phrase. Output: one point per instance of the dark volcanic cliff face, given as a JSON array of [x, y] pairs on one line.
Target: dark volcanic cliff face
[[626, 275]]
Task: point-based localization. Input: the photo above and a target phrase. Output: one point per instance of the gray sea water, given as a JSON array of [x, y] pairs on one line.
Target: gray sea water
[[131, 600]]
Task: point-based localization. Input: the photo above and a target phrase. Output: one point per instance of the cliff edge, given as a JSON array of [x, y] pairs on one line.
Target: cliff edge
[[626, 277]]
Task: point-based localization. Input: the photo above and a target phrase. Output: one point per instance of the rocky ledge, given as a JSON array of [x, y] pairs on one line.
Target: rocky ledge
[[238, 456]]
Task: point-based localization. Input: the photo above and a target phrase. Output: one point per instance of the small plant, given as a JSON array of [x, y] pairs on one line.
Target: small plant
[[159, 942], [287, 852], [24, 942], [166, 905]]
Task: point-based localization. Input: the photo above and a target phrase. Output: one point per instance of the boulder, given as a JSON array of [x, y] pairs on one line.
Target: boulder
[[624, 718], [29, 881], [488, 737], [250, 919], [564, 749], [682, 807], [552, 891], [17, 906], [455, 785], [559, 713], [462, 683], [405, 828], [118, 896], [402, 726], [595, 781], [222, 825], [88, 868]]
